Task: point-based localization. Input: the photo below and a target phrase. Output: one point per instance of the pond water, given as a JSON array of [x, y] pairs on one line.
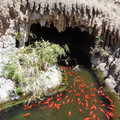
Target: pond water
[[82, 100]]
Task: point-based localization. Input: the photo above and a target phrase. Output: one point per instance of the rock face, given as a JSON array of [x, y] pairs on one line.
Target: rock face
[[111, 69], [97, 17]]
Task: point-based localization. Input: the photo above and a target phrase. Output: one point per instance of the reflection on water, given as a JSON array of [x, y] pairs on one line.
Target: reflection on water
[[82, 100]]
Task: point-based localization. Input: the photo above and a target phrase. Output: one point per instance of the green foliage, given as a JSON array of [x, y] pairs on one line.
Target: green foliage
[[98, 48], [19, 89], [30, 63], [13, 72]]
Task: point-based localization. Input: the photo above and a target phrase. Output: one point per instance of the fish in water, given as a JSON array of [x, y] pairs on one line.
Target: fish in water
[[69, 114], [27, 114]]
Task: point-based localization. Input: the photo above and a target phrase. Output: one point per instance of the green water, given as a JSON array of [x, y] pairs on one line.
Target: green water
[[86, 78]]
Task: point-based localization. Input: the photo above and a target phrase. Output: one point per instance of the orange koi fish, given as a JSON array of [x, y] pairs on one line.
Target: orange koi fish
[[69, 114], [95, 90], [100, 101], [29, 107], [57, 107], [82, 91], [101, 88], [25, 107], [66, 89], [94, 116], [92, 84], [107, 116], [75, 91], [66, 97], [68, 101], [88, 118], [26, 114], [70, 91], [78, 99], [96, 83], [91, 89], [63, 102], [39, 102], [58, 99], [90, 113], [79, 103], [93, 95], [35, 105], [50, 106], [102, 105], [82, 105], [110, 108], [101, 110], [110, 113], [86, 104], [0, 109], [98, 118], [71, 87], [80, 110], [52, 91], [58, 91], [61, 94], [78, 95], [95, 100], [65, 79], [72, 100], [94, 106]]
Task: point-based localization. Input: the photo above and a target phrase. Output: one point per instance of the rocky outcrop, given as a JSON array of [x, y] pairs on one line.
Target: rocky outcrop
[[110, 67], [97, 17]]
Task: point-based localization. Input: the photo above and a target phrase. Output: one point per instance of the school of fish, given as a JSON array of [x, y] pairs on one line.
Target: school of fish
[[53, 102]]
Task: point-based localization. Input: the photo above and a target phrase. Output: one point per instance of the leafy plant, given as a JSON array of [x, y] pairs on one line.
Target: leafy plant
[[98, 48]]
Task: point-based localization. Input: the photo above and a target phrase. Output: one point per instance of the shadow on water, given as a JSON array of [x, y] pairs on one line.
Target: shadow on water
[[78, 81]]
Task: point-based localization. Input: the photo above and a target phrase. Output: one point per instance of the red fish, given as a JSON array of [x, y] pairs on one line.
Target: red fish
[[101, 110], [103, 105], [68, 101], [78, 99], [91, 89], [110, 113], [82, 105], [82, 91], [80, 110], [70, 91], [69, 114], [29, 107], [58, 91], [65, 79], [72, 100], [77, 95], [107, 116], [75, 91], [98, 118], [66, 97], [90, 113], [88, 118], [71, 87], [110, 108], [52, 91], [39, 102], [63, 102], [95, 90], [93, 95], [94, 116], [26, 114], [0, 109], [66, 89], [58, 99]]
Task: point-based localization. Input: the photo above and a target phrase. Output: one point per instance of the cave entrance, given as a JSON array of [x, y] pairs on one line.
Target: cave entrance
[[78, 42]]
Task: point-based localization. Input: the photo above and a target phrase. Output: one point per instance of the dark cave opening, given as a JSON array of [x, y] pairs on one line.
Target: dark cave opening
[[78, 42]]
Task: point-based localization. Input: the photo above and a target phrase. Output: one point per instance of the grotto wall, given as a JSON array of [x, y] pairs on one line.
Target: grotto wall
[[99, 17]]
